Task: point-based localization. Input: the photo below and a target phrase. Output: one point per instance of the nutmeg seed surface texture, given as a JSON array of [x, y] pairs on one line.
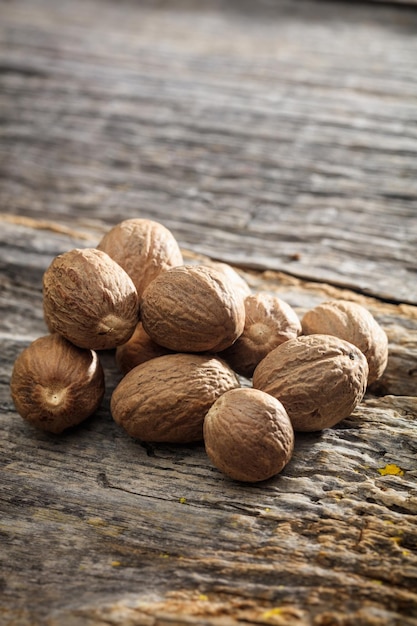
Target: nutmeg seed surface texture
[[320, 379], [89, 299], [138, 349], [193, 308], [167, 398], [56, 385], [354, 323], [248, 435], [143, 247], [269, 321]]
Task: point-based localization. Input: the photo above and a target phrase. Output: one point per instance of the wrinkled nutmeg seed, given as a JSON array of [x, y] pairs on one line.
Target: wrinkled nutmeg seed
[[89, 299], [138, 349], [354, 323], [319, 379], [248, 435], [234, 278], [56, 385], [166, 399], [269, 321], [143, 248], [193, 308]]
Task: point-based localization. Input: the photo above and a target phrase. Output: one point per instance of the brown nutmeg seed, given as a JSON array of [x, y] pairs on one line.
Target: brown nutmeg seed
[[269, 321], [238, 282], [138, 349], [248, 435], [354, 323], [143, 247], [89, 299], [193, 308], [319, 379], [56, 385], [167, 398]]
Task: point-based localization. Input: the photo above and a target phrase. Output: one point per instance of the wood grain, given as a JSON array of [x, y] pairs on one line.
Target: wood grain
[[234, 123], [97, 528], [280, 136]]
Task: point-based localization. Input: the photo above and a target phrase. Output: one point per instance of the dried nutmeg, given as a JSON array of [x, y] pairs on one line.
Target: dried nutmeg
[[248, 435], [319, 379], [354, 323], [56, 385], [138, 349], [89, 299], [143, 248], [166, 399], [269, 322], [193, 308], [239, 283]]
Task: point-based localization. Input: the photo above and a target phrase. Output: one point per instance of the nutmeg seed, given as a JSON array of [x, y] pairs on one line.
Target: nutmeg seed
[[56, 385], [269, 321], [143, 247], [248, 435], [138, 349], [354, 323], [89, 299], [166, 399], [193, 308], [238, 282], [319, 379]]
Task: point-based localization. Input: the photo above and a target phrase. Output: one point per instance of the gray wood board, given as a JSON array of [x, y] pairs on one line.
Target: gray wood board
[[273, 135], [97, 528]]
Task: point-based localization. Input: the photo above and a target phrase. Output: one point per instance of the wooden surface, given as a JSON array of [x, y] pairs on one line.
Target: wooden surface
[[277, 136]]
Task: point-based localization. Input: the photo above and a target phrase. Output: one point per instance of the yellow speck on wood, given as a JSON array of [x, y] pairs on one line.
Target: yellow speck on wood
[[203, 597], [283, 616], [115, 563], [183, 500], [272, 613], [391, 470]]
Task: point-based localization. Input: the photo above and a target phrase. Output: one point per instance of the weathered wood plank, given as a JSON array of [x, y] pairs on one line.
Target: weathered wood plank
[[234, 124], [97, 528], [279, 136]]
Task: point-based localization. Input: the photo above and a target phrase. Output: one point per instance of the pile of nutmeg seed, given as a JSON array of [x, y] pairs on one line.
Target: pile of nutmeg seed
[[182, 335]]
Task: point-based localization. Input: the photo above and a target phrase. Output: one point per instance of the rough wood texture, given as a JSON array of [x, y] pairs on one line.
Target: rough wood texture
[[236, 123], [97, 528], [282, 138]]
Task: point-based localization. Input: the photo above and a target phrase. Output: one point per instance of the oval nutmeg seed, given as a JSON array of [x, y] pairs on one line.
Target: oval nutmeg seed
[[238, 282], [89, 299], [269, 321], [248, 435], [167, 398], [138, 349], [143, 247], [354, 323], [55, 385], [319, 379], [193, 308]]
